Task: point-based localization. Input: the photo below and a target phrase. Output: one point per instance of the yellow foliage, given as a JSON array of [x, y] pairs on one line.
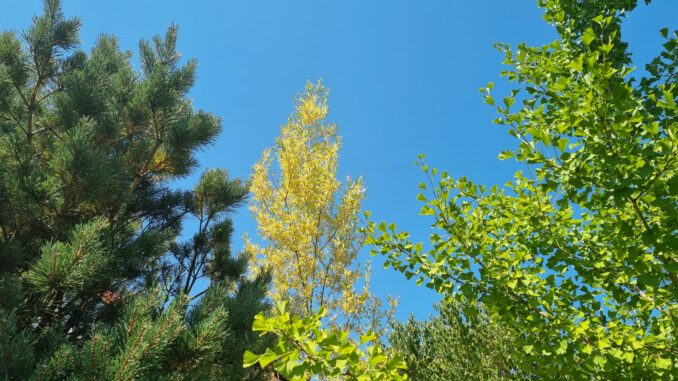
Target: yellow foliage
[[307, 219]]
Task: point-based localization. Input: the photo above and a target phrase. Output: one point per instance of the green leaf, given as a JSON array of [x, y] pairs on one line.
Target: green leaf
[[652, 128], [588, 36], [628, 357], [509, 101], [562, 347], [250, 359], [259, 324], [577, 64], [370, 336], [341, 364], [506, 154], [562, 144], [267, 358], [663, 363], [376, 359], [600, 361]]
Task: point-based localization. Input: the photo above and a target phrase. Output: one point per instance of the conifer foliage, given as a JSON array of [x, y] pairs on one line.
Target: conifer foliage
[[461, 343], [93, 283]]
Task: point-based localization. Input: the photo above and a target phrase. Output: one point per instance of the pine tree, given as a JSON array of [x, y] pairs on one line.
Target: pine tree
[[93, 283]]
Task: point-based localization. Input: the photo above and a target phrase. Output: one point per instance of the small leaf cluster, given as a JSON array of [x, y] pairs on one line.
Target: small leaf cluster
[[305, 350]]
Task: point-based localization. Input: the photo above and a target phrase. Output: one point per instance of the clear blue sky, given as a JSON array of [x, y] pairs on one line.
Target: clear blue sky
[[404, 79]]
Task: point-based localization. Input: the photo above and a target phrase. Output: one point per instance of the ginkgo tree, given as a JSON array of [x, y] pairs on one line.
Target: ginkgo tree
[[579, 254], [308, 220]]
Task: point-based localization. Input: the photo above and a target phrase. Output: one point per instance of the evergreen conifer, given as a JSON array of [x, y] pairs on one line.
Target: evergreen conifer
[[93, 282]]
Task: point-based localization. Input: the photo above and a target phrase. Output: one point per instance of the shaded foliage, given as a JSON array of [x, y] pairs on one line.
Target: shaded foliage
[[458, 344]]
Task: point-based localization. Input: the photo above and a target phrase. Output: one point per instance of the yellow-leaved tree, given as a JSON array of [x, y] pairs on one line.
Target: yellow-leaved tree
[[308, 221]]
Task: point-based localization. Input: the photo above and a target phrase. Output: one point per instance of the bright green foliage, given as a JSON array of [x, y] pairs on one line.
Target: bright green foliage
[[579, 255], [88, 224], [305, 350], [458, 344]]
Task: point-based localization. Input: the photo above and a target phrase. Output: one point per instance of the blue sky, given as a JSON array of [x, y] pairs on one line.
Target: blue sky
[[404, 79]]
